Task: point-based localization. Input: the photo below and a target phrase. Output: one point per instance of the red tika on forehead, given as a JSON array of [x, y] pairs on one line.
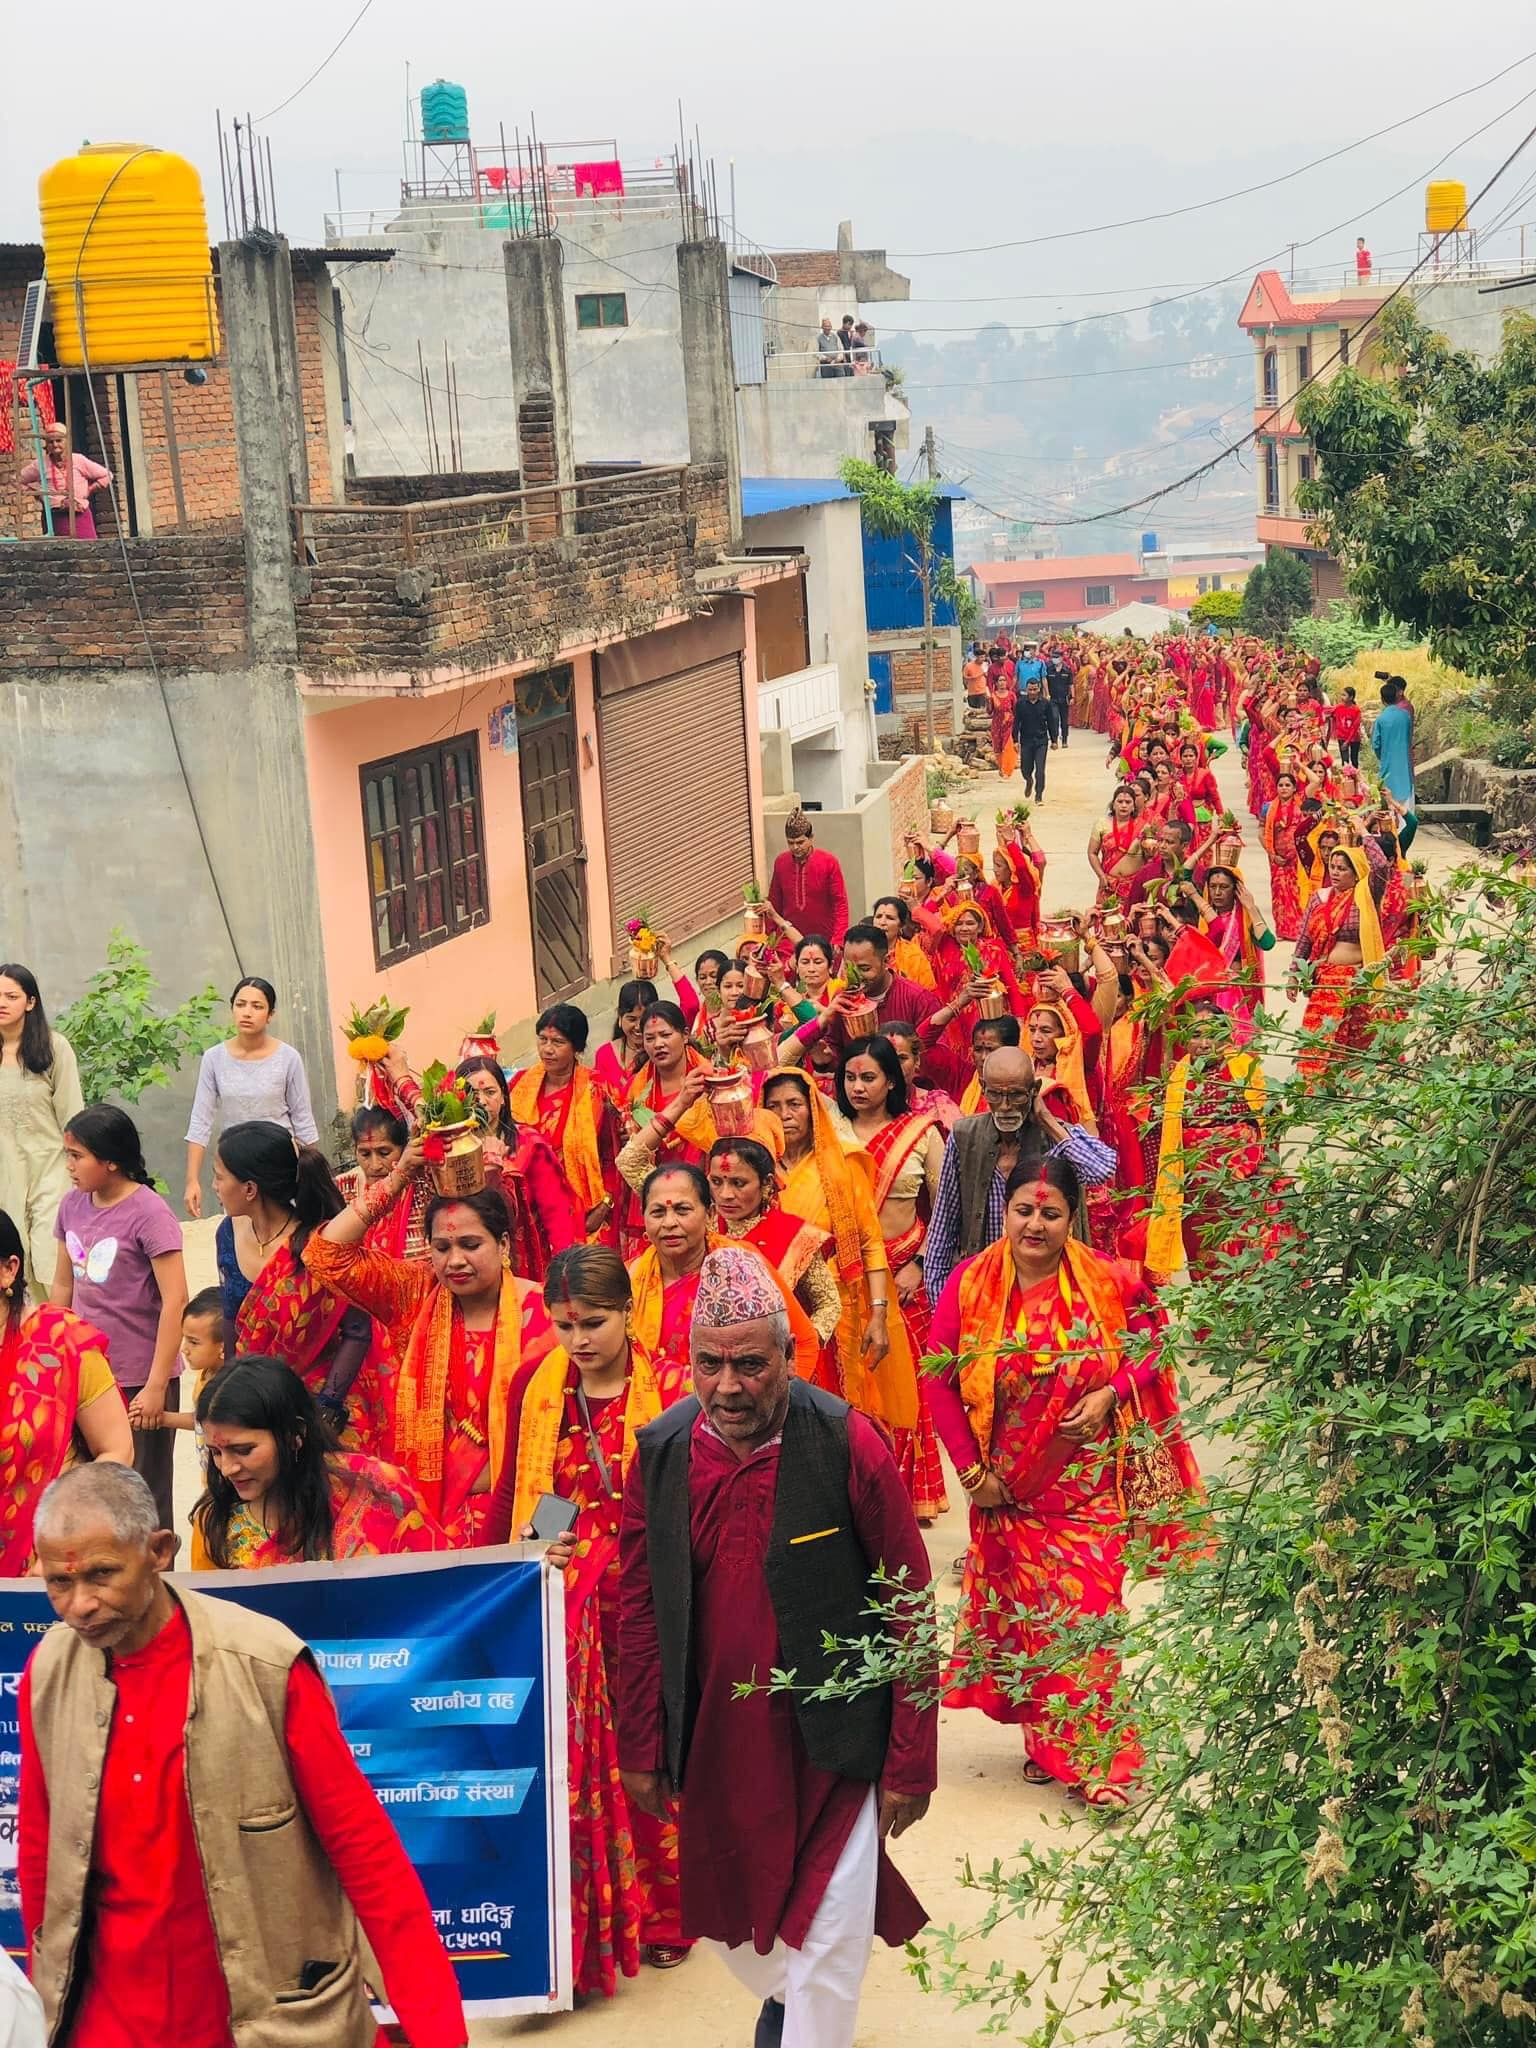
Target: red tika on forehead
[[735, 1286]]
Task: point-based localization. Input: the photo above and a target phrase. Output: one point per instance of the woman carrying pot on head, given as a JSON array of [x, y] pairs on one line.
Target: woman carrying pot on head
[[562, 1101], [39, 1093], [744, 1187], [571, 1426], [275, 1195], [251, 1077], [462, 1326], [278, 1488], [56, 1393], [546, 1216], [622, 1054]]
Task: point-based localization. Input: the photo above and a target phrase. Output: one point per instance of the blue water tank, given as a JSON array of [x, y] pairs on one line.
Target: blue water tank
[[1148, 540], [444, 112]]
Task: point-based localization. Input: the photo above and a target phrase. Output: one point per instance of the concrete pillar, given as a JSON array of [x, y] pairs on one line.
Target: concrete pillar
[[536, 328], [256, 296], [709, 370]]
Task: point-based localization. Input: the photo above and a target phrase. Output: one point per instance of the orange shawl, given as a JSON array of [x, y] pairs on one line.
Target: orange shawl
[[1070, 1073], [578, 1141], [1090, 1293], [538, 1435], [421, 1396], [648, 1287]]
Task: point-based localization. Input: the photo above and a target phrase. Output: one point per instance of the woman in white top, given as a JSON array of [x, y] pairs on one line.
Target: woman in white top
[[39, 1093], [250, 1078]]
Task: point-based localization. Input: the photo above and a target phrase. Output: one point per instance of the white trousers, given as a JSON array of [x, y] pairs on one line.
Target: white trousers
[[819, 1984]]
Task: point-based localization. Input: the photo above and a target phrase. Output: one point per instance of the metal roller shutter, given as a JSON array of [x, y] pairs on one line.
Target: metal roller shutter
[[675, 799]]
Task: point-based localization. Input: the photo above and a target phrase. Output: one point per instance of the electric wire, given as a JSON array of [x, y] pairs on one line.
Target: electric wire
[[334, 50]]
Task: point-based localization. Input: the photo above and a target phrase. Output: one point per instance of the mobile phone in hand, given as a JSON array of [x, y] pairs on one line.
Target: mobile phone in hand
[[553, 1518]]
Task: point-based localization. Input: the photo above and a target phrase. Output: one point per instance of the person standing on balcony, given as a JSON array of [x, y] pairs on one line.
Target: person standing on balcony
[[1362, 261], [830, 350], [847, 343], [72, 481], [807, 892]]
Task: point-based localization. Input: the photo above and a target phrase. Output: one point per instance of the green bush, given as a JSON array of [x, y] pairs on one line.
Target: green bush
[[123, 1044], [1217, 608], [1341, 634]]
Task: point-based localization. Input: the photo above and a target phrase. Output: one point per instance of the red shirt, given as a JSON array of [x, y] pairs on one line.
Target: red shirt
[[1344, 721], [811, 894], [152, 1967]]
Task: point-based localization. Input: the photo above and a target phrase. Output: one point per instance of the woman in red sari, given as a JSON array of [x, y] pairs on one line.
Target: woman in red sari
[[379, 1139], [1026, 1412], [744, 1185], [546, 1214], [278, 1491], [1342, 941], [906, 1150], [1018, 868], [1115, 850], [461, 1325], [664, 1276], [565, 1104], [275, 1195], [1002, 695], [960, 929], [571, 1428], [55, 1383], [1284, 822]]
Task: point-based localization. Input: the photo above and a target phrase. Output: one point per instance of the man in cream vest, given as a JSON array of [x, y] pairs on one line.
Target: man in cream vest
[[195, 1834]]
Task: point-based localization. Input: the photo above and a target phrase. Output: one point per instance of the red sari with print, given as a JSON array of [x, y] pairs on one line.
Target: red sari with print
[[41, 1356], [376, 1511], [916, 1450], [1282, 825], [1121, 838], [1059, 1551], [292, 1315]]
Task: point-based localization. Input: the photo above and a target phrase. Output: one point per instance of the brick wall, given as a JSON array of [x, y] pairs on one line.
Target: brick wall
[[908, 700], [420, 490], [509, 598], [907, 794], [67, 605], [202, 414]]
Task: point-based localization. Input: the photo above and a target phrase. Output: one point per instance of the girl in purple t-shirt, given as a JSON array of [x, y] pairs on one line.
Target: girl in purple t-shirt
[[120, 1266]]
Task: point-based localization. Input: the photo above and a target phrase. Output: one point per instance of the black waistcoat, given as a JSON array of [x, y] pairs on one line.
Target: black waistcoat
[[821, 1587]]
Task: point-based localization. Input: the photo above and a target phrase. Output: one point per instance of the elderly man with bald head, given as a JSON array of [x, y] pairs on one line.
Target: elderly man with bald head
[[195, 1833], [761, 1518], [1017, 1128]]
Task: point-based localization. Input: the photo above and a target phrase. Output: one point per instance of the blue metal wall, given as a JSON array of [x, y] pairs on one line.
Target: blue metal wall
[[893, 597]]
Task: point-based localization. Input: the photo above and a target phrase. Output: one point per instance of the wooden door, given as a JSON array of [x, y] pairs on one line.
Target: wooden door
[[556, 848]]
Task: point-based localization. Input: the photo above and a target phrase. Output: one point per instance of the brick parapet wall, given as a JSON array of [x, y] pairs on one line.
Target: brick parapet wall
[[67, 605]]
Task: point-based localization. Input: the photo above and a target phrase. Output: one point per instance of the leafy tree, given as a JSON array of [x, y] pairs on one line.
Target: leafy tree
[[1334, 1833], [1426, 492], [1217, 608], [905, 512], [1278, 593], [123, 1044]]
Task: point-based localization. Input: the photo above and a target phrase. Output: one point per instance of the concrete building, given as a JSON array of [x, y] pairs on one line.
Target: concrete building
[[1059, 591], [1307, 330], [426, 736]]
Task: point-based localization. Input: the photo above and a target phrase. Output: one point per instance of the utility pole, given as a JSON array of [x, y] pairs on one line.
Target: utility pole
[[926, 567]]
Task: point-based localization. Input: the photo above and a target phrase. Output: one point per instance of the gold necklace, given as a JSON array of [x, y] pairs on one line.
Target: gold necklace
[[262, 1242]]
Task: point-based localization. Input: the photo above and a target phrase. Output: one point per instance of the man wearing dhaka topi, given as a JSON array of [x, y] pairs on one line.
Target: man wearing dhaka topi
[[760, 1518], [197, 1843]]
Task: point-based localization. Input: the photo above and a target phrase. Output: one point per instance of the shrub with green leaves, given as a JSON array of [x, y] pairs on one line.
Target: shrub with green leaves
[[124, 1045], [1334, 1838]]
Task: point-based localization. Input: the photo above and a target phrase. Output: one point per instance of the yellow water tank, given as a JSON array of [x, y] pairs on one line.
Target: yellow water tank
[[1445, 207], [125, 244]]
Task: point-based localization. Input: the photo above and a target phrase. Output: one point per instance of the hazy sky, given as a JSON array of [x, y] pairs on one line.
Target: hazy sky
[[978, 122]]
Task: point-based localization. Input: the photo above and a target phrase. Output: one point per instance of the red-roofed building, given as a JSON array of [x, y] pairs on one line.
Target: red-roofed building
[[1067, 590], [1299, 335]]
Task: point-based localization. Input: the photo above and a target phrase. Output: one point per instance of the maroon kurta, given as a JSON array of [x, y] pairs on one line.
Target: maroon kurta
[[811, 894], [761, 1827]]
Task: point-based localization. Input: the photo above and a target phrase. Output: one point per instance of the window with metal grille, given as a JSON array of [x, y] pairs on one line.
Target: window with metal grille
[[1099, 593], [426, 847], [602, 309]]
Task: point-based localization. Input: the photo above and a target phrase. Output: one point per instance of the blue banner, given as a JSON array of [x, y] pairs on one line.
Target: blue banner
[[454, 1706]]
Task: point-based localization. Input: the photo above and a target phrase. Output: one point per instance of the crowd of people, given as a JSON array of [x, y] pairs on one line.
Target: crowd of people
[[869, 1207]]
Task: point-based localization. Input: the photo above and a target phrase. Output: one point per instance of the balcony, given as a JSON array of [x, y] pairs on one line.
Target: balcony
[[803, 703], [795, 365], [450, 582]]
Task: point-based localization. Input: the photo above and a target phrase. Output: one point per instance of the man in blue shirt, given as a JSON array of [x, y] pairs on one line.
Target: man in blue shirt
[[1392, 738]]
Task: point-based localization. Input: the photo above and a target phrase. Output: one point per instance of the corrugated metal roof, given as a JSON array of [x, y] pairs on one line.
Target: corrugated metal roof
[[760, 494]]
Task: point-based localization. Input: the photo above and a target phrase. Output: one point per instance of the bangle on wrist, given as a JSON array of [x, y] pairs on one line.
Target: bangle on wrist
[[973, 1476]]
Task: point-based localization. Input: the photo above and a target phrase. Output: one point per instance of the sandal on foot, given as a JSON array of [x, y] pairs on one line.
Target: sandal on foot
[[1103, 1798], [1036, 1774], [665, 1955]]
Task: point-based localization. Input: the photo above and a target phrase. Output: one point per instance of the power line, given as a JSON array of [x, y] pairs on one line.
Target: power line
[[335, 47], [1223, 199], [1152, 497]]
